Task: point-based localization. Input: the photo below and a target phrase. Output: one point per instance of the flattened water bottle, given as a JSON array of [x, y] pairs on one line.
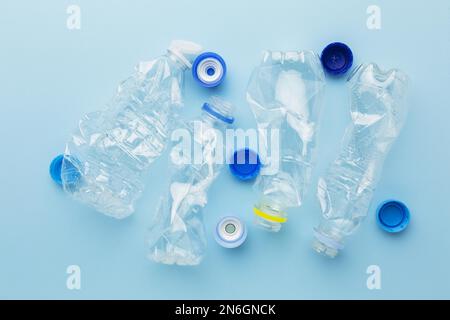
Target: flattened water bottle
[[378, 111], [285, 95], [106, 157], [177, 234]]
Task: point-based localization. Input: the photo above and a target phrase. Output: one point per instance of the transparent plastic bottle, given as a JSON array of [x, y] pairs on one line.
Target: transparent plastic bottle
[[177, 234], [378, 111], [106, 157], [285, 94]]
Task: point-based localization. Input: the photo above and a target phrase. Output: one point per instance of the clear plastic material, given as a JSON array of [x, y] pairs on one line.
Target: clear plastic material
[[111, 149], [285, 94], [177, 234], [378, 111]]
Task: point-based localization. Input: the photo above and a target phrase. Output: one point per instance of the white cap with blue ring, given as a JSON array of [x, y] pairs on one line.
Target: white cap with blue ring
[[209, 69], [230, 232], [392, 216]]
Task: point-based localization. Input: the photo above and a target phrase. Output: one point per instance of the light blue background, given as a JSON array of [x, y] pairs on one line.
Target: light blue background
[[51, 76]]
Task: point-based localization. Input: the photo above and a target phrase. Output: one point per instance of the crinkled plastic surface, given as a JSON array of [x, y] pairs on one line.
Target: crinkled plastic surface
[[378, 112], [285, 94], [177, 234], [111, 149]]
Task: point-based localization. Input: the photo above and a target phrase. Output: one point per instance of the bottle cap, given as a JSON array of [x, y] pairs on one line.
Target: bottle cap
[[245, 164], [55, 169], [230, 232], [337, 58], [209, 69], [392, 216], [71, 172]]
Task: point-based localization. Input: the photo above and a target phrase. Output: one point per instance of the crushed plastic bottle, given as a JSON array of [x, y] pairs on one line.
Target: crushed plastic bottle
[[378, 111], [177, 234], [106, 157], [285, 94]]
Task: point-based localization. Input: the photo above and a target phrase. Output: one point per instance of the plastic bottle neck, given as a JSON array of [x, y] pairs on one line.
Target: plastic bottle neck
[[218, 112], [327, 241], [212, 121], [269, 215]]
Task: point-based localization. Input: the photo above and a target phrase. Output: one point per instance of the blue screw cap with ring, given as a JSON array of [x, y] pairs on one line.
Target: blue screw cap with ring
[[231, 232], [209, 69], [337, 58], [71, 172], [245, 164], [393, 216]]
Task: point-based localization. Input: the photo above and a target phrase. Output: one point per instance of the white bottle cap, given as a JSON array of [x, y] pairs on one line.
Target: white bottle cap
[[230, 232]]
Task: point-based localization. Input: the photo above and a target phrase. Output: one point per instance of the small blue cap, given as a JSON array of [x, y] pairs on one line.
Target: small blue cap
[[393, 216], [245, 164], [72, 174], [209, 69], [337, 58]]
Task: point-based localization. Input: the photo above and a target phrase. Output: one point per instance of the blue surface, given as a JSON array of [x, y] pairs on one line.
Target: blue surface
[[51, 76]]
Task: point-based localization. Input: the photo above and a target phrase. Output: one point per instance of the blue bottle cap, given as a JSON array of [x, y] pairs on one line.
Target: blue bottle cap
[[337, 58], [209, 69], [55, 169], [71, 175], [393, 216], [245, 164], [230, 232]]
